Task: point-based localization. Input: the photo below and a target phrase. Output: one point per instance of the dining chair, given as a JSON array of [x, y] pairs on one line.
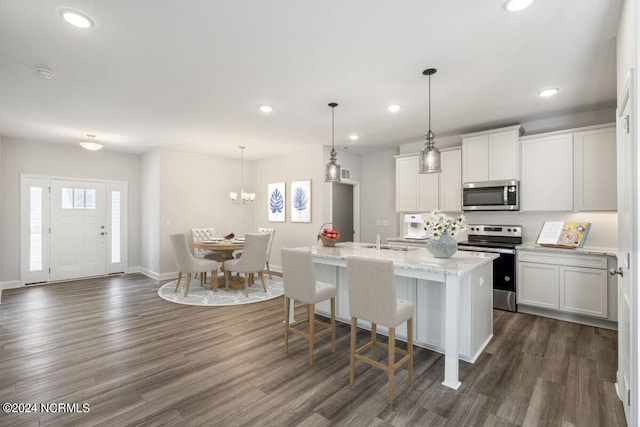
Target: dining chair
[[272, 232], [372, 297], [300, 285], [204, 234], [251, 261], [189, 264]]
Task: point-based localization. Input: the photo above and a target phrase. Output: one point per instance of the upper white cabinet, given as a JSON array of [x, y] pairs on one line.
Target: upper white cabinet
[[547, 173], [492, 155], [595, 170], [417, 192], [451, 181], [572, 170]]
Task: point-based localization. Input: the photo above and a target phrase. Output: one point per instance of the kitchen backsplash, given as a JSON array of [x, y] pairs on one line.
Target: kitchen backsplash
[[603, 233]]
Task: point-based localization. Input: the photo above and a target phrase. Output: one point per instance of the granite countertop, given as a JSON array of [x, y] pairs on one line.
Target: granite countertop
[[588, 250], [413, 258]]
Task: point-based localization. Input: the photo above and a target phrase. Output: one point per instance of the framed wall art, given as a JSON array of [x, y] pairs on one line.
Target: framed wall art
[[276, 202], [301, 201]]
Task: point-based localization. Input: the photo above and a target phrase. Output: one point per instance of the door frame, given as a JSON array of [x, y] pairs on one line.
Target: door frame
[[44, 181]]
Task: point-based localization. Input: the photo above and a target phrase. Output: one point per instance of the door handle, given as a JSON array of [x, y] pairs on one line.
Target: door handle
[[103, 233], [613, 272]]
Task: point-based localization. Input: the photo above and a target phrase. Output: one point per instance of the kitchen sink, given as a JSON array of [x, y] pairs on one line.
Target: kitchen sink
[[390, 248]]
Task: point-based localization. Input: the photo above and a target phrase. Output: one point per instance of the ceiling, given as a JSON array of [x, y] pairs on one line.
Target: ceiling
[[191, 74]]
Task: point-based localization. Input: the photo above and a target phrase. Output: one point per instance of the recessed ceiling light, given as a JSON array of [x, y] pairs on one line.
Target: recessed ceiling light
[[393, 108], [266, 108], [76, 18], [354, 137], [548, 92], [516, 5]]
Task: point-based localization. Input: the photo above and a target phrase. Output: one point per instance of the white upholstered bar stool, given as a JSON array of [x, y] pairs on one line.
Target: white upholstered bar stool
[[372, 297], [300, 285]]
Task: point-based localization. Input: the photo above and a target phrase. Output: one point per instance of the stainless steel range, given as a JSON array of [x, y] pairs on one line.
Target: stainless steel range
[[500, 239]]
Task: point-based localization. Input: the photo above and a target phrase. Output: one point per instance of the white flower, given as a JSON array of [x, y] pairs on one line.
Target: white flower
[[439, 224]]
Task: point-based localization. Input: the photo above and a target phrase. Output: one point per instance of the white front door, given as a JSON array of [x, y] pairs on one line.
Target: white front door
[[627, 232], [78, 230]]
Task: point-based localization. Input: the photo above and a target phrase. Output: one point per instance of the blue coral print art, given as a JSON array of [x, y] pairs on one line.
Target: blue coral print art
[[301, 201], [277, 206]]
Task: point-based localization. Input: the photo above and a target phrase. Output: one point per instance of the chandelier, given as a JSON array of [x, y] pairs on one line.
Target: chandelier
[[244, 197]]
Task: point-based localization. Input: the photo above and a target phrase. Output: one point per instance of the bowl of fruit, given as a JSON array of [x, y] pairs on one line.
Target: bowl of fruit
[[328, 235]]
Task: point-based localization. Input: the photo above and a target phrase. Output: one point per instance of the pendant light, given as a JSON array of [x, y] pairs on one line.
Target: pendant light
[[430, 155], [244, 197], [332, 171], [90, 144]]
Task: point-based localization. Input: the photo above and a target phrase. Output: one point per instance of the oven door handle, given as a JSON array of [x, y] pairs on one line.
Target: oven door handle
[[483, 249]]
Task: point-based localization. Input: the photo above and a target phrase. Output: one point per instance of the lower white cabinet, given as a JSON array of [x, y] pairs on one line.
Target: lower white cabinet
[[577, 284]]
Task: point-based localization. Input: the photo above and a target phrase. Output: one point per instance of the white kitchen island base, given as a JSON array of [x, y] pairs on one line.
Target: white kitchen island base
[[453, 298]]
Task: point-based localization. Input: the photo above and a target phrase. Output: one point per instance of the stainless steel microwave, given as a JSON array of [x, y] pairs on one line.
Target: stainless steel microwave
[[491, 196]]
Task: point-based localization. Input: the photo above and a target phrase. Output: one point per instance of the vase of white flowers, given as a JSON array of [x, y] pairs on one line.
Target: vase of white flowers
[[441, 230]]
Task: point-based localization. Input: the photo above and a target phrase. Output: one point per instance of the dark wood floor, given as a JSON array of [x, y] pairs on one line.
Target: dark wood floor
[[139, 360]]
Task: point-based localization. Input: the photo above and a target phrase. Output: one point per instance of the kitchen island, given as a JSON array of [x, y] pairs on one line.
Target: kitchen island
[[453, 297]]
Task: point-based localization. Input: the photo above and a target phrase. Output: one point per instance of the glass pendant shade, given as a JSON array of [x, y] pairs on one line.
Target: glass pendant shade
[[332, 172], [430, 156]]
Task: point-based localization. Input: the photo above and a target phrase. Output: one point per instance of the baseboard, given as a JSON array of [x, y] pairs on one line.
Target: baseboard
[[132, 270], [567, 317], [158, 276], [10, 284]]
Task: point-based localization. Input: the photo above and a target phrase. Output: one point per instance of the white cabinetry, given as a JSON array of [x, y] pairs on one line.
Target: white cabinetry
[[572, 170], [595, 169], [576, 284], [491, 155], [416, 192], [451, 180], [547, 173]]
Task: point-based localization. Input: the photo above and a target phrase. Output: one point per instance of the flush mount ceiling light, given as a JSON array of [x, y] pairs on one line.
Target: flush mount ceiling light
[[354, 137], [332, 170], [76, 18], [545, 93], [266, 108], [45, 73], [90, 144], [244, 197], [516, 5], [430, 155], [393, 108]]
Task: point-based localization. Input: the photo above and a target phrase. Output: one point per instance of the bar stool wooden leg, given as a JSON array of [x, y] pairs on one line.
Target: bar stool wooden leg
[[374, 331], [410, 348], [392, 358], [311, 320], [352, 351], [287, 304], [333, 325]]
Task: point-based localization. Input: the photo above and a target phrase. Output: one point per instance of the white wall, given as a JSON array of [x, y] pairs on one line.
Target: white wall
[[36, 158], [378, 195], [190, 190], [150, 213], [296, 166]]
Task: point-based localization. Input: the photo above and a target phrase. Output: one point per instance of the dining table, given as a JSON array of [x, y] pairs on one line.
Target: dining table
[[226, 247]]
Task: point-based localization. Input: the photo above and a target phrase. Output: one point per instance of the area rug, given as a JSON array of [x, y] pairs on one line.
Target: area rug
[[205, 297]]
